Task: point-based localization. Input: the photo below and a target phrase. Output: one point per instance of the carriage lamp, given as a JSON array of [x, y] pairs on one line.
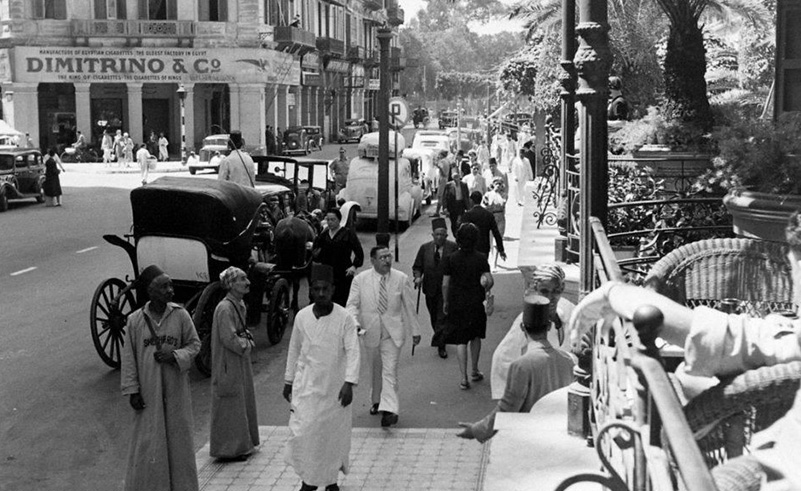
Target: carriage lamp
[[182, 96]]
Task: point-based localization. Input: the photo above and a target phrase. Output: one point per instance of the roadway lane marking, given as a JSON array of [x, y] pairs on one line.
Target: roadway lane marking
[[86, 250], [23, 271]]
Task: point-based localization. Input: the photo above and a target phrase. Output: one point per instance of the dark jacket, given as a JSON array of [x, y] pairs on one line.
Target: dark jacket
[[485, 221], [431, 270], [456, 207]]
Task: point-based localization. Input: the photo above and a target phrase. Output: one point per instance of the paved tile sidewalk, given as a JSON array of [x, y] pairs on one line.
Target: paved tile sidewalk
[[396, 459]]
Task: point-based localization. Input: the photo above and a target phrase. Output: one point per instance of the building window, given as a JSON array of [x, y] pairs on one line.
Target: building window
[[213, 10], [110, 9], [49, 9], [158, 9]]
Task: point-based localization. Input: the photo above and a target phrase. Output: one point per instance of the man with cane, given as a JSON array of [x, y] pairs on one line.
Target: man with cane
[[427, 271]]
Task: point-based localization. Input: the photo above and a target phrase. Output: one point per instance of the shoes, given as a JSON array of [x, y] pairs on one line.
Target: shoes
[[464, 385], [443, 353], [307, 487], [477, 376], [332, 487], [388, 419], [374, 409], [237, 458]]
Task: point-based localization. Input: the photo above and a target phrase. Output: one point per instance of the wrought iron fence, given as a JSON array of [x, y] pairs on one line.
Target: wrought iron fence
[[640, 432]]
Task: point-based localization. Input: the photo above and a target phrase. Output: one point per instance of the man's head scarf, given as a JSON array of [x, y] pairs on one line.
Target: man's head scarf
[[548, 271], [228, 276]]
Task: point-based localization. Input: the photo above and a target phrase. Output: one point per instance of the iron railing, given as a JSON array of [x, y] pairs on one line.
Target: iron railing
[[639, 429]]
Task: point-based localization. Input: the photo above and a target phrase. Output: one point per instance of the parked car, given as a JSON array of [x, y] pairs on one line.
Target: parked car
[[314, 138], [295, 140], [21, 175], [218, 143], [466, 138], [352, 130], [362, 186]]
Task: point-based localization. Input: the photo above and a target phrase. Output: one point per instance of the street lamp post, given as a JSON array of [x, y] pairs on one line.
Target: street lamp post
[[182, 96], [382, 229]]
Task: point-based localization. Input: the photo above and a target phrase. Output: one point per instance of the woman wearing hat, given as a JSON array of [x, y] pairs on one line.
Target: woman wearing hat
[[234, 424]]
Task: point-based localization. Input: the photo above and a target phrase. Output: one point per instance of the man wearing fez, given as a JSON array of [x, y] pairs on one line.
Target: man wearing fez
[[322, 367], [237, 166], [160, 343], [485, 221], [541, 370], [427, 271]]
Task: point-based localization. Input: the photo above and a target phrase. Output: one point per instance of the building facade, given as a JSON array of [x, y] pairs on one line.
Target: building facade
[[93, 65]]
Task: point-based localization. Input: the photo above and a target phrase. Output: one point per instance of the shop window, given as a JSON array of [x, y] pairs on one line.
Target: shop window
[[158, 9], [213, 10], [110, 9], [49, 9]]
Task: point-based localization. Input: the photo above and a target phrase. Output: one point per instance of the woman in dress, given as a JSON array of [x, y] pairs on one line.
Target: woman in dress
[[339, 247], [52, 183], [163, 143], [234, 425], [465, 283]]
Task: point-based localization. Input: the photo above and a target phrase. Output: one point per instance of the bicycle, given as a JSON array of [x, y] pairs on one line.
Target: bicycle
[[79, 155]]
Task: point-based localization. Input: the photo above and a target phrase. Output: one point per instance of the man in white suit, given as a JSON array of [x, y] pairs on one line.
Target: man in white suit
[[381, 301]]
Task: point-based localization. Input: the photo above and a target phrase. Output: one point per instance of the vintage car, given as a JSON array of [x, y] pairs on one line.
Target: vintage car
[[362, 186], [467, 136], [296, 140], [447, 119], [21, 175], [434, 140], [424, 170], [218, 143], [351, 130], [314, 138]]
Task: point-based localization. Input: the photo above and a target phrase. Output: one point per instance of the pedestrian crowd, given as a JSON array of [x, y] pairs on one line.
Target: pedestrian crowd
[[354, 319]]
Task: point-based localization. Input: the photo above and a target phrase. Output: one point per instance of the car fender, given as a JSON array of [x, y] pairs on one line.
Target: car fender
[[345, 210], [9, 189]]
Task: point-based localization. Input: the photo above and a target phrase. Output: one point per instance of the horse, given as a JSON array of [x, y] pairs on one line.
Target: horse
[[291, 236]]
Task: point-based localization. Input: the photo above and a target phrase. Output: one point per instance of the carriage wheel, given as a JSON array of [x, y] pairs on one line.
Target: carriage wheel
[[278, 316], [107, 320], [202, 317]]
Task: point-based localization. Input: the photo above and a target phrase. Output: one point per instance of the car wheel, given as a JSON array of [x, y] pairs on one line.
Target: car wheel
[[3, 202]]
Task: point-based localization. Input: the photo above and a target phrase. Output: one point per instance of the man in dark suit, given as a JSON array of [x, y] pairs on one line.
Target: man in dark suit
[[456, 199], [485, 221], [427, 271]]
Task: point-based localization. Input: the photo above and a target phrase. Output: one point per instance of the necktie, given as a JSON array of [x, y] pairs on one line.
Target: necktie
[[436, 256], [382, 295]]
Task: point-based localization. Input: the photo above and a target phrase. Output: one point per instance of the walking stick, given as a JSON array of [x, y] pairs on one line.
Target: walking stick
[[417, 309]]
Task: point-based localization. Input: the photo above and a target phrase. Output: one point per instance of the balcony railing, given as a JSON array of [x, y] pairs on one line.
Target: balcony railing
[[396, 59], [373, 4], [331, 46], [371, 58], [356, 54], [395, 16], [297, 40], [180, 30]]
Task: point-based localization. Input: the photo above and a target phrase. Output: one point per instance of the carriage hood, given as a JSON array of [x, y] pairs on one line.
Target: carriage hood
[[216, 212]]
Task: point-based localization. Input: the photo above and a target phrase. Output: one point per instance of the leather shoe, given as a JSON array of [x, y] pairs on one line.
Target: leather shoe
[[443, 353], [374, 409], [332, 487], [388, 419]]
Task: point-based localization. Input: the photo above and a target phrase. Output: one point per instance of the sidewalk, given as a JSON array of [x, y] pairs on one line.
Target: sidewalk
[[533, 451], [133, 168]]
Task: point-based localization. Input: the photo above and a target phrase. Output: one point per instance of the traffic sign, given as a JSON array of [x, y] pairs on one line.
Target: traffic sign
[[398, 112]]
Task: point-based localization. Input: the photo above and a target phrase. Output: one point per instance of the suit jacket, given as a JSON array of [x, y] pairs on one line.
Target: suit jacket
[[485, 221], [400, 317], [456, 207], [424, 265]]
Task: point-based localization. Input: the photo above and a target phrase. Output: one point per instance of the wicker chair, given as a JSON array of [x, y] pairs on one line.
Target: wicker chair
[[735, 275]]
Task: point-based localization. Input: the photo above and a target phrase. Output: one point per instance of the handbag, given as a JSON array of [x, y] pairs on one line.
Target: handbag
[[489, 304]]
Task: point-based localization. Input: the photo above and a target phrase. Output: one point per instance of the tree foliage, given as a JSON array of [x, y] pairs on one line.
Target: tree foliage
[[457, 85]]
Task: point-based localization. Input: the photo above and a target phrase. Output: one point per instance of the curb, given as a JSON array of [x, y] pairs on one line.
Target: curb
[[99, 168]]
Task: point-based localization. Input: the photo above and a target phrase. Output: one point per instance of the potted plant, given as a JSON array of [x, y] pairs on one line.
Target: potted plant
[[759, 165]]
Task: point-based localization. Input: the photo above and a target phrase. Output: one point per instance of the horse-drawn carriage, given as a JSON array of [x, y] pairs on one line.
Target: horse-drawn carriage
[[192, 229]]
